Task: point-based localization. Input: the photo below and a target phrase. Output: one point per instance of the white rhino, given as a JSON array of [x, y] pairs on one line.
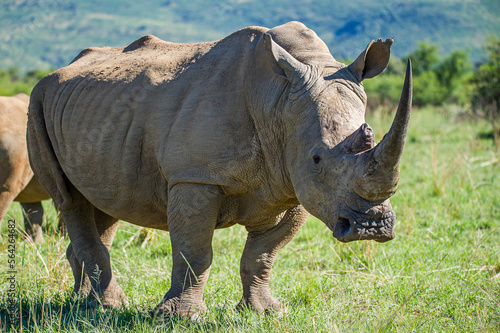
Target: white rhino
[[16, 178], [258, 129]]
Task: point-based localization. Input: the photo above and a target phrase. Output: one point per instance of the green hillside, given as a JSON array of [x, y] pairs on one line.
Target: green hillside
[[49, 33]]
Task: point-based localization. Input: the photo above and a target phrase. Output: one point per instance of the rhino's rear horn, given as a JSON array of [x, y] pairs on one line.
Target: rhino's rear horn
[[377, 170], [361, 140]]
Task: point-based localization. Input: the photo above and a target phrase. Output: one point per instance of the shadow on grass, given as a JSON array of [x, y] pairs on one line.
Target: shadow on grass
[[68, 314], [486, 135]]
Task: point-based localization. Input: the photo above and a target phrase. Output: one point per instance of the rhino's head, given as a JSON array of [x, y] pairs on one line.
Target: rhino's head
[[338, 173]]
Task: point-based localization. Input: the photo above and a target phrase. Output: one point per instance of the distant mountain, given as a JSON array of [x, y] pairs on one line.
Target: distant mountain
[[50, 33]]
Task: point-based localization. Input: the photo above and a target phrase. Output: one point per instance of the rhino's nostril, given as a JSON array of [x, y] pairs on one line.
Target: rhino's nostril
[[342, 227]]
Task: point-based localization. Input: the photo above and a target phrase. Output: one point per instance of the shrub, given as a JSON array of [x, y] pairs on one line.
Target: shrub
[[424, 58], [427, 90], [453, 74], [12, 83], [486, 91]]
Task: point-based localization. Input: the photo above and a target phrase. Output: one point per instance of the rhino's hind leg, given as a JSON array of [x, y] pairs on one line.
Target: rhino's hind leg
[[33, 219], [91, 233], [82, 283], [106, 226], [258, 257], [192, 215]]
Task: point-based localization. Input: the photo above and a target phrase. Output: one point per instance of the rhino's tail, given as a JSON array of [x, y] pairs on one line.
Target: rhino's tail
[[43, 159]]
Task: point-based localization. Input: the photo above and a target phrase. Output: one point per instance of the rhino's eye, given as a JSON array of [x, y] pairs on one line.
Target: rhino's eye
[[316, 154]]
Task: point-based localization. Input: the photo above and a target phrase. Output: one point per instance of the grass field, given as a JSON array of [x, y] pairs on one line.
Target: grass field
[[440, 273]]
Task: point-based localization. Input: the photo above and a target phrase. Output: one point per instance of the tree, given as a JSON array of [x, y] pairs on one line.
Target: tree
[[453, 73], [11, 82], [427, 89], [486, 92], [424, 58]]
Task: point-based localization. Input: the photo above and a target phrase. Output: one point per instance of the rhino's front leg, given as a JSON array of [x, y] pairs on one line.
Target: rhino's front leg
[[192, 215], [258, 257]]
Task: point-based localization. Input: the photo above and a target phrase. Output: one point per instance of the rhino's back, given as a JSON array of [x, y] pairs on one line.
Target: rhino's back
[[13, 118], [15, 171], [158, 59], [148, 113]]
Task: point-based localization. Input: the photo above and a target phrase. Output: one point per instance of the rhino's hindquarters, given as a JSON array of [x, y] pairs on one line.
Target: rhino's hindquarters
[[91, 231]]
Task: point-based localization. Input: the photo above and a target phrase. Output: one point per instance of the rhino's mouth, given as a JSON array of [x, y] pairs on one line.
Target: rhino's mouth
[[362, 227]]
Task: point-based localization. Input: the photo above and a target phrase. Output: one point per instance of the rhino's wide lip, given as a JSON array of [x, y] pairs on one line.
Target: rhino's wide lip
[[357, 226]]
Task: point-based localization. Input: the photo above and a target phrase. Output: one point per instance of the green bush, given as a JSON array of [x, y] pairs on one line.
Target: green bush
[[425, 58], [435, 81], [12, 83], [384, 91], [453, 74], [427, 90]]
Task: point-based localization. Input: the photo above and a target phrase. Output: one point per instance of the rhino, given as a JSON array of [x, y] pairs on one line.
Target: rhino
[[16, 178], [259, 128]]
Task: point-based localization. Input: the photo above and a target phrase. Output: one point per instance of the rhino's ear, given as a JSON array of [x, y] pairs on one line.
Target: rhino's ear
[[289, 67], [373, 60]]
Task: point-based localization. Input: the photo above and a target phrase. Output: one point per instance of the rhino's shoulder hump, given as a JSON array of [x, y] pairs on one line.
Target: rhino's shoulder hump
[[145, 42], [91, 52], [141, 43]]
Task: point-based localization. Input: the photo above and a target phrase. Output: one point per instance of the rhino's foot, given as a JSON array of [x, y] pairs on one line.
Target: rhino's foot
[[115, 302], [38, 239], [83, 291], [175, 307], [110, 299], [93, 303], [35, 238], [34, 235], [265, 305]]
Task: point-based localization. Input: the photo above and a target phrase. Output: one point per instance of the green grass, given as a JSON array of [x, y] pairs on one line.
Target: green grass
[[440, 273]]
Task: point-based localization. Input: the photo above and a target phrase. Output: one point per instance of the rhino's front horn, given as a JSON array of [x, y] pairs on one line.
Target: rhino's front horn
[[377, 170]]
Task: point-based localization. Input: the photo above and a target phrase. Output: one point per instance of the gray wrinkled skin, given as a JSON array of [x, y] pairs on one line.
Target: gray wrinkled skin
[[258, 129], [16, 178]]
